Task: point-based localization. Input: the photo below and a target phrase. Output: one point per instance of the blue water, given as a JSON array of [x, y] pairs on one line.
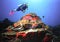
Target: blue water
[[50, 9]]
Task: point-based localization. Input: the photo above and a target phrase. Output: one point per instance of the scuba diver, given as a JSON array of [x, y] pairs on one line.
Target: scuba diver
[[21, 7]]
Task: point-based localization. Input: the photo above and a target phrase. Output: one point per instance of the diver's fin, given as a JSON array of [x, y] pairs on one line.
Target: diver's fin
[[11, 12]]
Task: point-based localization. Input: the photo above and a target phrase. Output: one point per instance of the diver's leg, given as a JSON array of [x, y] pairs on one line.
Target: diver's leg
[[23, 11]]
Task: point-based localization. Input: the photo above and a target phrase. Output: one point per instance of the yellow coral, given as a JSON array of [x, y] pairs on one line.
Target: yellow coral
[[46, 26], [24, 21]]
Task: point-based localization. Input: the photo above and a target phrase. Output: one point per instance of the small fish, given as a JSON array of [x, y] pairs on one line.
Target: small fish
[[22, 8], [43, 16]]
